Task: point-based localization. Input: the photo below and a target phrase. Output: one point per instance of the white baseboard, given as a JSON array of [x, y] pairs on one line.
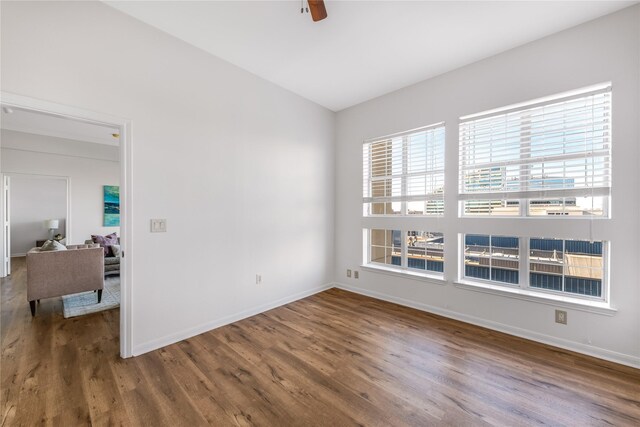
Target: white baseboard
[[601, 353], [188, 333], [17, 255]]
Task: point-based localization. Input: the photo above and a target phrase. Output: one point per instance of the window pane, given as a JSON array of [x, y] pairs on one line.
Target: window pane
[[583, 267], [477, 256], [568, 206], [492, 207], [387, 208], [385, 246], [425, 251], [572, 266], [495, 258]]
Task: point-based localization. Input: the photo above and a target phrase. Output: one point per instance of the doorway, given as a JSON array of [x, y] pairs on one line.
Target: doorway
[[58, 113]]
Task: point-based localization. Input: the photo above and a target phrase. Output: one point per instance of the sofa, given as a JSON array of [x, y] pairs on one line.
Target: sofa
[[111, 263], [50, 274]]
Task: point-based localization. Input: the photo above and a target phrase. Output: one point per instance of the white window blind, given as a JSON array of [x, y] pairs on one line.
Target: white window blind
[[404, 173], [551, 149]]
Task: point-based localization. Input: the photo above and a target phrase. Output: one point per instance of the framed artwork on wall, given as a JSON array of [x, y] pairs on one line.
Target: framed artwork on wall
[[111, 206]]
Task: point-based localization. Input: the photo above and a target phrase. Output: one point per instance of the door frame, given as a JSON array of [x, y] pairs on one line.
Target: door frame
[[126, 212], [5, 220]]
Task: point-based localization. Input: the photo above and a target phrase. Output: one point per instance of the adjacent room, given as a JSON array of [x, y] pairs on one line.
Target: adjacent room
[[279, 213], [61, 176]]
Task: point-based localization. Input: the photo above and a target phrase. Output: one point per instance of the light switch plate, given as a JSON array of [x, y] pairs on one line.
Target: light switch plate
[[159, 225]]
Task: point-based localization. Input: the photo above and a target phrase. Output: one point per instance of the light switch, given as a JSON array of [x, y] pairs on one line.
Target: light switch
[[159, 225]]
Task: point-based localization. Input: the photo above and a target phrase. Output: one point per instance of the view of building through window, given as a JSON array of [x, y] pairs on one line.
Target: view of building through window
[[495, 258], [422, 250], [554, 156], [571, 266], [425, 251]]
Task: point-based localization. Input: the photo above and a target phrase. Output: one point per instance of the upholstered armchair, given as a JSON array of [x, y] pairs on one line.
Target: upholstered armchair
[[56, 273]]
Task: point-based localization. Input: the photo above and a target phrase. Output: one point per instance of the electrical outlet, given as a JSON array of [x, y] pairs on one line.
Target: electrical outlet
[[356, 274], [561, 317], [258, 279], [348, 273]]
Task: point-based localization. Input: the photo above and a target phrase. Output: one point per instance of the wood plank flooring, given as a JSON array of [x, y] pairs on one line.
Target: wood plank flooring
[[334, 359]]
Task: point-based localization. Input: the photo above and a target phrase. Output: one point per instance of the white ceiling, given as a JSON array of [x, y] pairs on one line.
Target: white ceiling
[[61, 127], [363, 49]]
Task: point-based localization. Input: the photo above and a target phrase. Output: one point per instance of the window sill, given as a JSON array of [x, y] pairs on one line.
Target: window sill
[[541, 217], [597, 307], [414, 275]]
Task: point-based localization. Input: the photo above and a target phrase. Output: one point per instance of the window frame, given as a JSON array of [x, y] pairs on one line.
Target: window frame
[[525, 270], [524, 208], [404, 197], [403, 268]]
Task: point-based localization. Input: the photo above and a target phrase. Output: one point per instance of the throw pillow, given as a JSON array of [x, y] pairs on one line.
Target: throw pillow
[[115, 250], [52, 245], [106, 241]]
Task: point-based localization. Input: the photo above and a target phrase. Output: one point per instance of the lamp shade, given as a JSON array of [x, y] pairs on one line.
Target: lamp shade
[[52, 223]]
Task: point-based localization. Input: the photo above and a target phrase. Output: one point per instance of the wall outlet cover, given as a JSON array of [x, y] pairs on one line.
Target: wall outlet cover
[[561, 317], [159, 225]]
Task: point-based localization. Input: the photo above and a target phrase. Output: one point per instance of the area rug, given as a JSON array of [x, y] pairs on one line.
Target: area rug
[[87, 302]]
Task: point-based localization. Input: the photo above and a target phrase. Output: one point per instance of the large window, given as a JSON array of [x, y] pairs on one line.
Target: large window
[[418, 251], [404, 173], [548, 158], [544, 158]]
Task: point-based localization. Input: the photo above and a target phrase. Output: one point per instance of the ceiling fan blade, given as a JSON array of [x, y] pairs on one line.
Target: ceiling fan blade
[[317, 9]]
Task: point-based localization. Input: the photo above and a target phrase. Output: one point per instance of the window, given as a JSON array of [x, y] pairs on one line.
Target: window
[[544, 158], [571, 266], [494, 258], [404, 173], [575, 267], [418, 251]]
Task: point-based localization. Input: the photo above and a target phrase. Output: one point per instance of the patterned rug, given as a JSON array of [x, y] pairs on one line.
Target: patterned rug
[[87, 302]]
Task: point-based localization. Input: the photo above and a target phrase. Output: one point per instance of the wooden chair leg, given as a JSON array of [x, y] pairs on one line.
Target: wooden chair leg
[[32, 304], [99, 295]]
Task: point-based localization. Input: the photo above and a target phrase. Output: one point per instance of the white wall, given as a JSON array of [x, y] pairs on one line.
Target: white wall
[[603, 50], [241, 169], [88, 166], [34, 200]]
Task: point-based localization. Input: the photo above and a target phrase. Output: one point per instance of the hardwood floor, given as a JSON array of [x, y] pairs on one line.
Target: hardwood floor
[[334, 359]]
